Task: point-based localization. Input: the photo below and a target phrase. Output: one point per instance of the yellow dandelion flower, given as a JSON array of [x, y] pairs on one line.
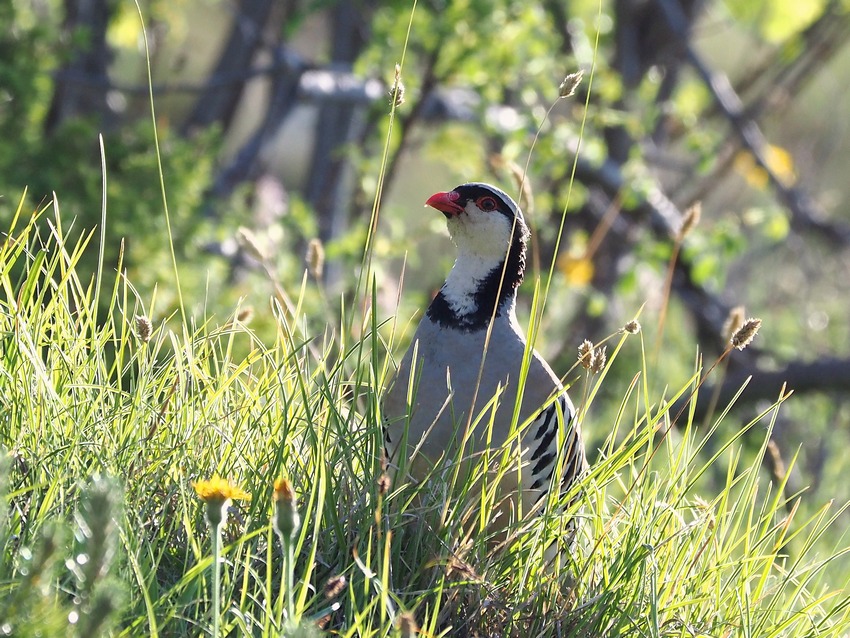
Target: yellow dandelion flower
[[219, 489], [283, 490], [217, 494]]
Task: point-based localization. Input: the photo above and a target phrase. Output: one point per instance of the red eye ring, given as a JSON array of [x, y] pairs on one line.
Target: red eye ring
[[486, 203]]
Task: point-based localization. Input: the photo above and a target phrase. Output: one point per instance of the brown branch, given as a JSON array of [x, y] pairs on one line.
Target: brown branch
[[710, 312], [806, 215], [320, 85], [824, 375], [328, 183], [780, 77], [244, 164], [285, 61]]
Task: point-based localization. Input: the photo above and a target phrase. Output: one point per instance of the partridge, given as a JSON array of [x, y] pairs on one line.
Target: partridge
[[432, 412]]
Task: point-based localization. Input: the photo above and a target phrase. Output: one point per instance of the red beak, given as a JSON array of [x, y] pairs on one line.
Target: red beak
[[446, 203]]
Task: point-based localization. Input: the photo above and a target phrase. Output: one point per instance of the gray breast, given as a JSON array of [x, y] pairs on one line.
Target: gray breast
[[445, 375]]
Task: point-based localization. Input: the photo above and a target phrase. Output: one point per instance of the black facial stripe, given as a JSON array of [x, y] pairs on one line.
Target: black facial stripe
[[472, 192]]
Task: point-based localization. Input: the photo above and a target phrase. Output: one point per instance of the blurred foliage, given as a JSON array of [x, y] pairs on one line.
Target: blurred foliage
[[92, 594], [452, 44], [777, 21], [67, 163]]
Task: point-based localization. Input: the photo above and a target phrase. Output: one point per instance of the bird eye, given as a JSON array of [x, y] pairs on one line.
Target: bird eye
[[486, 203]]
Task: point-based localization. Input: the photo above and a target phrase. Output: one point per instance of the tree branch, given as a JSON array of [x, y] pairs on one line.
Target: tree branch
[[781, 76], [285, 61], [329, 181], [244, 164], [806, 215], [664, 218], [823, 375]]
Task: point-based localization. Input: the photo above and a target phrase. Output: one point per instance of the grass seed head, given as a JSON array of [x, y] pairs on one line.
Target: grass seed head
[[248, 242], [570, 84], [597, 363], [690, 220], [144, 328], [734, 321], [632, 327], [245, 315], [592, 358], [334, 586], [585, 354], [746, 333], [396, 91], [316, 258], [384, 483]]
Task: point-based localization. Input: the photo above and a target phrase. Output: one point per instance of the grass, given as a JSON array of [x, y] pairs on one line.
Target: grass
[[116, 425], [107, 423]]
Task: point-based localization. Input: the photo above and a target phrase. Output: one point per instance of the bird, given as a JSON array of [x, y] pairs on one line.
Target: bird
[[428, 415]]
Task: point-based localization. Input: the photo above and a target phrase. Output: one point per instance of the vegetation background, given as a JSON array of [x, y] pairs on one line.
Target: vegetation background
[[293, 175]]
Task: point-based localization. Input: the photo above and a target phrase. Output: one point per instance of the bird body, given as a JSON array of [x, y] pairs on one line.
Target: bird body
[[444, 360]]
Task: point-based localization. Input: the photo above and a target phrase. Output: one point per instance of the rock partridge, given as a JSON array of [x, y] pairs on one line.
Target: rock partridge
[[432, 413]]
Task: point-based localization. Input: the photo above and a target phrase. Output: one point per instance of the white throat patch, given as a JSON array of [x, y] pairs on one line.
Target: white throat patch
[[482, 240]]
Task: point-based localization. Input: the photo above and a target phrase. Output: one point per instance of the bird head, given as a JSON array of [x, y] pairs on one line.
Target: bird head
[[482, 220]]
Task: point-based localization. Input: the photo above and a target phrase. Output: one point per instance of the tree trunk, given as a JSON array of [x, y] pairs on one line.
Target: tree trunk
[[218, 102], [82, 84]]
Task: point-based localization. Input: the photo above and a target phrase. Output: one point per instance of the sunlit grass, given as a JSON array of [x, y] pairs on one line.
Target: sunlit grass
[[157, 408]]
